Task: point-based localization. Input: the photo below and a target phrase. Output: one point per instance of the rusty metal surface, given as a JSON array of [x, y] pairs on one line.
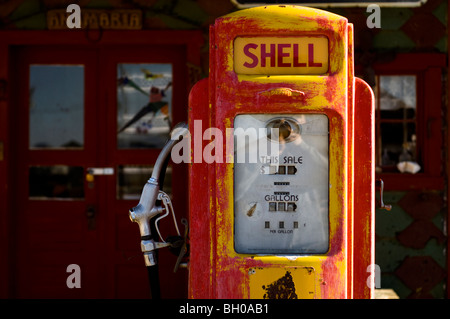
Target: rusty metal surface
[[282, 283], [282, 288]]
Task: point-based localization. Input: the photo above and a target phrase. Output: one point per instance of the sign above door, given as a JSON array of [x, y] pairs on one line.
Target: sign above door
[[97, 19]]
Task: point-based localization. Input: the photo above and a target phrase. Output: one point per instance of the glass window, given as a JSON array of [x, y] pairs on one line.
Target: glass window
[[132, 178], [56, 182], [144, 98], [396, 121], [56, 106]]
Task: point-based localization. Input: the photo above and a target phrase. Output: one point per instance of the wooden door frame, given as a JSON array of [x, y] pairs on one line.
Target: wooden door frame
[[192, 42]]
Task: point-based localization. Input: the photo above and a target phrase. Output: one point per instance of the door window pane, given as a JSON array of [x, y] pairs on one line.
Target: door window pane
[[398, 96], [396, 117], [132, 178], [56, 182], [144, 98], [56, 106], [395, 149]]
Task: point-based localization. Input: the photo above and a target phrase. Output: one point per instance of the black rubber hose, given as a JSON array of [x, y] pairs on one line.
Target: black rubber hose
[[153, 278]]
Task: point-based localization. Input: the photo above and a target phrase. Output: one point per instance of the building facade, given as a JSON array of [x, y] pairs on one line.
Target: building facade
[[78, 137]]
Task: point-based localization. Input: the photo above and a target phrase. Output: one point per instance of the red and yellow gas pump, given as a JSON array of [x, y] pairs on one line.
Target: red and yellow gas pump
[[299, 224]]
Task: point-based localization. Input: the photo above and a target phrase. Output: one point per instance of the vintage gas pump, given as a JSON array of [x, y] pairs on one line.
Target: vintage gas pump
[[298, 223]]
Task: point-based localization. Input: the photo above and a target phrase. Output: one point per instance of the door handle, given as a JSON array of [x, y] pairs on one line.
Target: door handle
[[100, 170], [95, 171], [380, 185]]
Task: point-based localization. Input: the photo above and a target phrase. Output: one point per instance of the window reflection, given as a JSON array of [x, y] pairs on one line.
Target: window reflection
[[398, 95], [144, 97], [132, 178], [393, 137], [56, 182], [56, 106], [396, 116]]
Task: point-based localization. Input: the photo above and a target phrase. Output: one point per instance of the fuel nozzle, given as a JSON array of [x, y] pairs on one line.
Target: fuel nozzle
[[147, 208]]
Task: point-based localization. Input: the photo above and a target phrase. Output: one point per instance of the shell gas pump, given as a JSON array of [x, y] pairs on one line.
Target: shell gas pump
[[282, 206], [300, 224]]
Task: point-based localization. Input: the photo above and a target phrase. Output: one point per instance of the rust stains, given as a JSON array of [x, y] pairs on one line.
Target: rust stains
[[251, 210]]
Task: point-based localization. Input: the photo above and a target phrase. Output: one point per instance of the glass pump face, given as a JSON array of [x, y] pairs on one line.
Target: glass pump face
[[281, 198]]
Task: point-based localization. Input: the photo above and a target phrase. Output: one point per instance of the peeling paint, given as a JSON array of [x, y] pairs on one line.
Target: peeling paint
[[283, 288], [251, 210]]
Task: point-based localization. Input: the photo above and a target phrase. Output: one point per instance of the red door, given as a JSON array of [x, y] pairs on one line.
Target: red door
[[79, 167]]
